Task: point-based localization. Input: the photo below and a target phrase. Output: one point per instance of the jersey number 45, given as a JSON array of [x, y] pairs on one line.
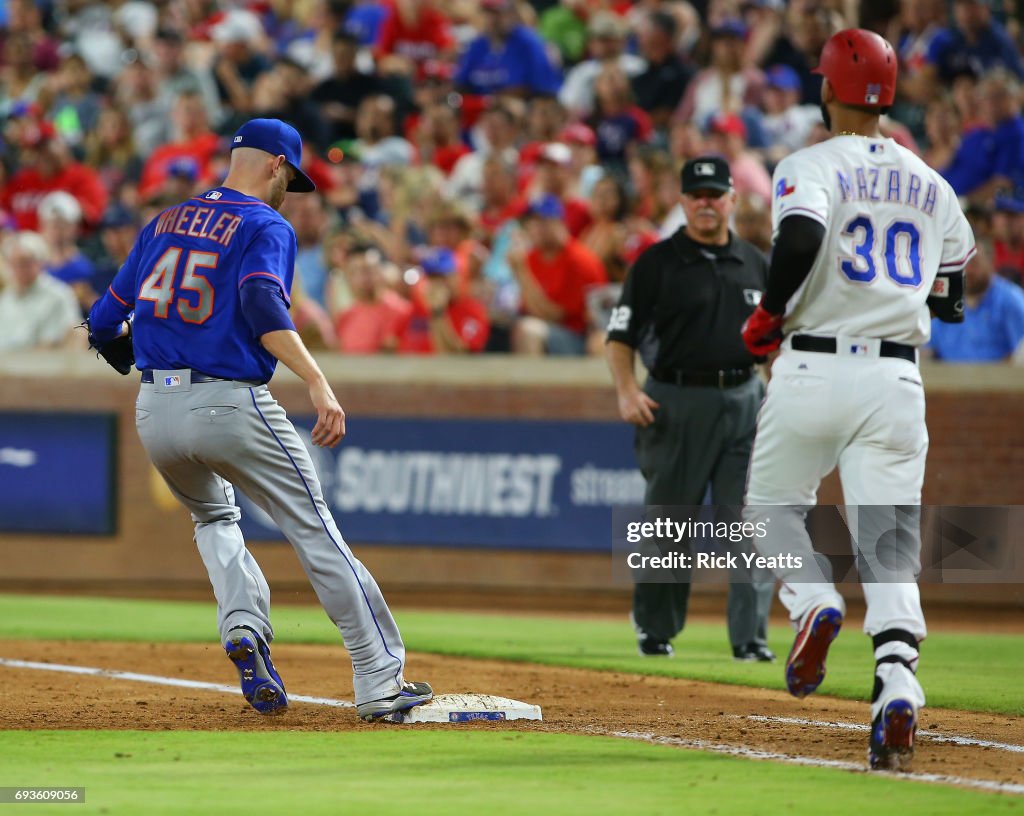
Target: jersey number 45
[[158, 286]]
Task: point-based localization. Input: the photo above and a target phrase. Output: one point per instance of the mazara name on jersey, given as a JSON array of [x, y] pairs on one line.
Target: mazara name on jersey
[[192, 221], [893, 186]]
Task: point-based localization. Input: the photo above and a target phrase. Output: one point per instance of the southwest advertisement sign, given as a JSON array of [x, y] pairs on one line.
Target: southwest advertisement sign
[[473, 483]]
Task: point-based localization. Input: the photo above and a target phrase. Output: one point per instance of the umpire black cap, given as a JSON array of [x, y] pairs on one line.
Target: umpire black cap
[[707, 173]]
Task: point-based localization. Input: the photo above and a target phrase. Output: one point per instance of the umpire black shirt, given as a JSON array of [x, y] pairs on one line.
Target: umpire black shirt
[[683, 303]]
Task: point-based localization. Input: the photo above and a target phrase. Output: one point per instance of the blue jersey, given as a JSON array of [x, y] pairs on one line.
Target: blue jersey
[[183, 279]]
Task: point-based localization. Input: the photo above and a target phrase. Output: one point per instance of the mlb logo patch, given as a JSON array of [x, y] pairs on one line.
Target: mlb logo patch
[[213, 195], [872, 94], [704, 169], [782, 189], [170, 382], [752, 296], [858, 349], [237, 139], [876, 148]]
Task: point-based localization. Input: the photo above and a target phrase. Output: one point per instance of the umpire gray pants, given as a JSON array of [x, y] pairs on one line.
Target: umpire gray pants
[[701, 437], [204, 438]]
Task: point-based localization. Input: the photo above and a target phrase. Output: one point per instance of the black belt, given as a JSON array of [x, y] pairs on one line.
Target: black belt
[[827, 345], [724, 378], [197, 377]]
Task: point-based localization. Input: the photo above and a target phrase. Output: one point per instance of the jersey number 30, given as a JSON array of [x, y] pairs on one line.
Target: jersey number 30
[[158, 286], [901, 252]]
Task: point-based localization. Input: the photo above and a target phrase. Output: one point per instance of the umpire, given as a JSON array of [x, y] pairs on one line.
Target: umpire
[[682, 307]]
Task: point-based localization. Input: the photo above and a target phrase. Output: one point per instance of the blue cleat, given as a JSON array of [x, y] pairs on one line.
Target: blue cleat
[[261, 684]]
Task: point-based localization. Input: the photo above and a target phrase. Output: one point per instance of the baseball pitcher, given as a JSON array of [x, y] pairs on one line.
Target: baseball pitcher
[[868, 240], [209, 282]]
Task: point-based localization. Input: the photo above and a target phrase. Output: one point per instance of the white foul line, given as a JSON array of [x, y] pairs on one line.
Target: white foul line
[[934, 736], [753, 753], [113, 674], [703, 745]]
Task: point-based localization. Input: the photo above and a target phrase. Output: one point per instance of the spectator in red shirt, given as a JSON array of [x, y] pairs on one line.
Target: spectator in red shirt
[[374, 320], [501, 202], [437, 138], [192, 137], [1009, 243], [554, 276], [416, 31], [442, 321], [46, 165], [555, 177]]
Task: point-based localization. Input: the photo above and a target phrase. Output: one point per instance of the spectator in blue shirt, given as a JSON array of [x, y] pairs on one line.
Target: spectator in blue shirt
[[993, 327], [974, 162], [976, 42], [999, 97], [507, 57]]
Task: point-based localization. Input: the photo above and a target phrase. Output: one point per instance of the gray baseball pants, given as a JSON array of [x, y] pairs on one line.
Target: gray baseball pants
[[205, 438]]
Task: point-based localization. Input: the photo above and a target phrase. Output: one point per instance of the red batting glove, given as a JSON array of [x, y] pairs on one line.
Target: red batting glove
[[762, 332]]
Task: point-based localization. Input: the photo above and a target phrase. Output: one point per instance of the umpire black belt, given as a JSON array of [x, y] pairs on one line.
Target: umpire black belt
[[197, 377], [827, 345], [724, 378]]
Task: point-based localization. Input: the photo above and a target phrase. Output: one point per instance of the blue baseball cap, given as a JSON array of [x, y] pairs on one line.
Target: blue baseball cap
[[784, 78], [1010, 204], [184, 167], [546, 206], [278, 139], [438, 261]]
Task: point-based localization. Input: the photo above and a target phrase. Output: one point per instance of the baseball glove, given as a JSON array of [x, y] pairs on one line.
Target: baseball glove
[[118, 353]]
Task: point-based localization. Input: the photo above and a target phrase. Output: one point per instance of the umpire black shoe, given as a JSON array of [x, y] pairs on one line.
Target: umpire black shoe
[[753, 652], [652, 647]]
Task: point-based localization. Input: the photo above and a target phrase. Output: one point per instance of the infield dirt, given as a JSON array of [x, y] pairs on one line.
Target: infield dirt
[[573, 701]]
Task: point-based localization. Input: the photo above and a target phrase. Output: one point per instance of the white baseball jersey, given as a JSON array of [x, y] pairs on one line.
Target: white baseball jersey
[[892, 224]]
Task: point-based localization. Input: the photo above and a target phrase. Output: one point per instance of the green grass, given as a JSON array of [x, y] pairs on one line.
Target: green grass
[[949, 665], [432, 772]]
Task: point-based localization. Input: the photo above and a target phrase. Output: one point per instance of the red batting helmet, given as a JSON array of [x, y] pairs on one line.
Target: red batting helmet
[[860, 66]]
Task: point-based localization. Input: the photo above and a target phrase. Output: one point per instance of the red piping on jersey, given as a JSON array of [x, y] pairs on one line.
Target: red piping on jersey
[[262, 274], [117, 297], [970, 254]]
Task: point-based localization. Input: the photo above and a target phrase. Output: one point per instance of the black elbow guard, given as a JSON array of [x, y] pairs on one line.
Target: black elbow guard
[[947, 297]]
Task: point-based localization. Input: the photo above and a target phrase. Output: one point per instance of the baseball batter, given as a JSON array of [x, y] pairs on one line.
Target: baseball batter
[[867, 239], [209, 282]]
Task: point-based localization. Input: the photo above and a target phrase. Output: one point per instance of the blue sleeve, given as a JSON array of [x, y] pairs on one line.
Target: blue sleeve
[[112, 309], [466, 65], [1013, 320], [1010, 55], [270, 255], [264, 307], [1006, 158], [939, 46], [541, 76]]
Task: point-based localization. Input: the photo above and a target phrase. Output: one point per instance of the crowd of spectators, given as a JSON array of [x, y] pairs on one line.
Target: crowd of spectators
[[487, 171]]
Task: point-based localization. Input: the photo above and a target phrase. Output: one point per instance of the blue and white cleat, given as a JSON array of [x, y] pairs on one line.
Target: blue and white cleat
[[261, 684], [805, 666], [892, 736], [392, 708]]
